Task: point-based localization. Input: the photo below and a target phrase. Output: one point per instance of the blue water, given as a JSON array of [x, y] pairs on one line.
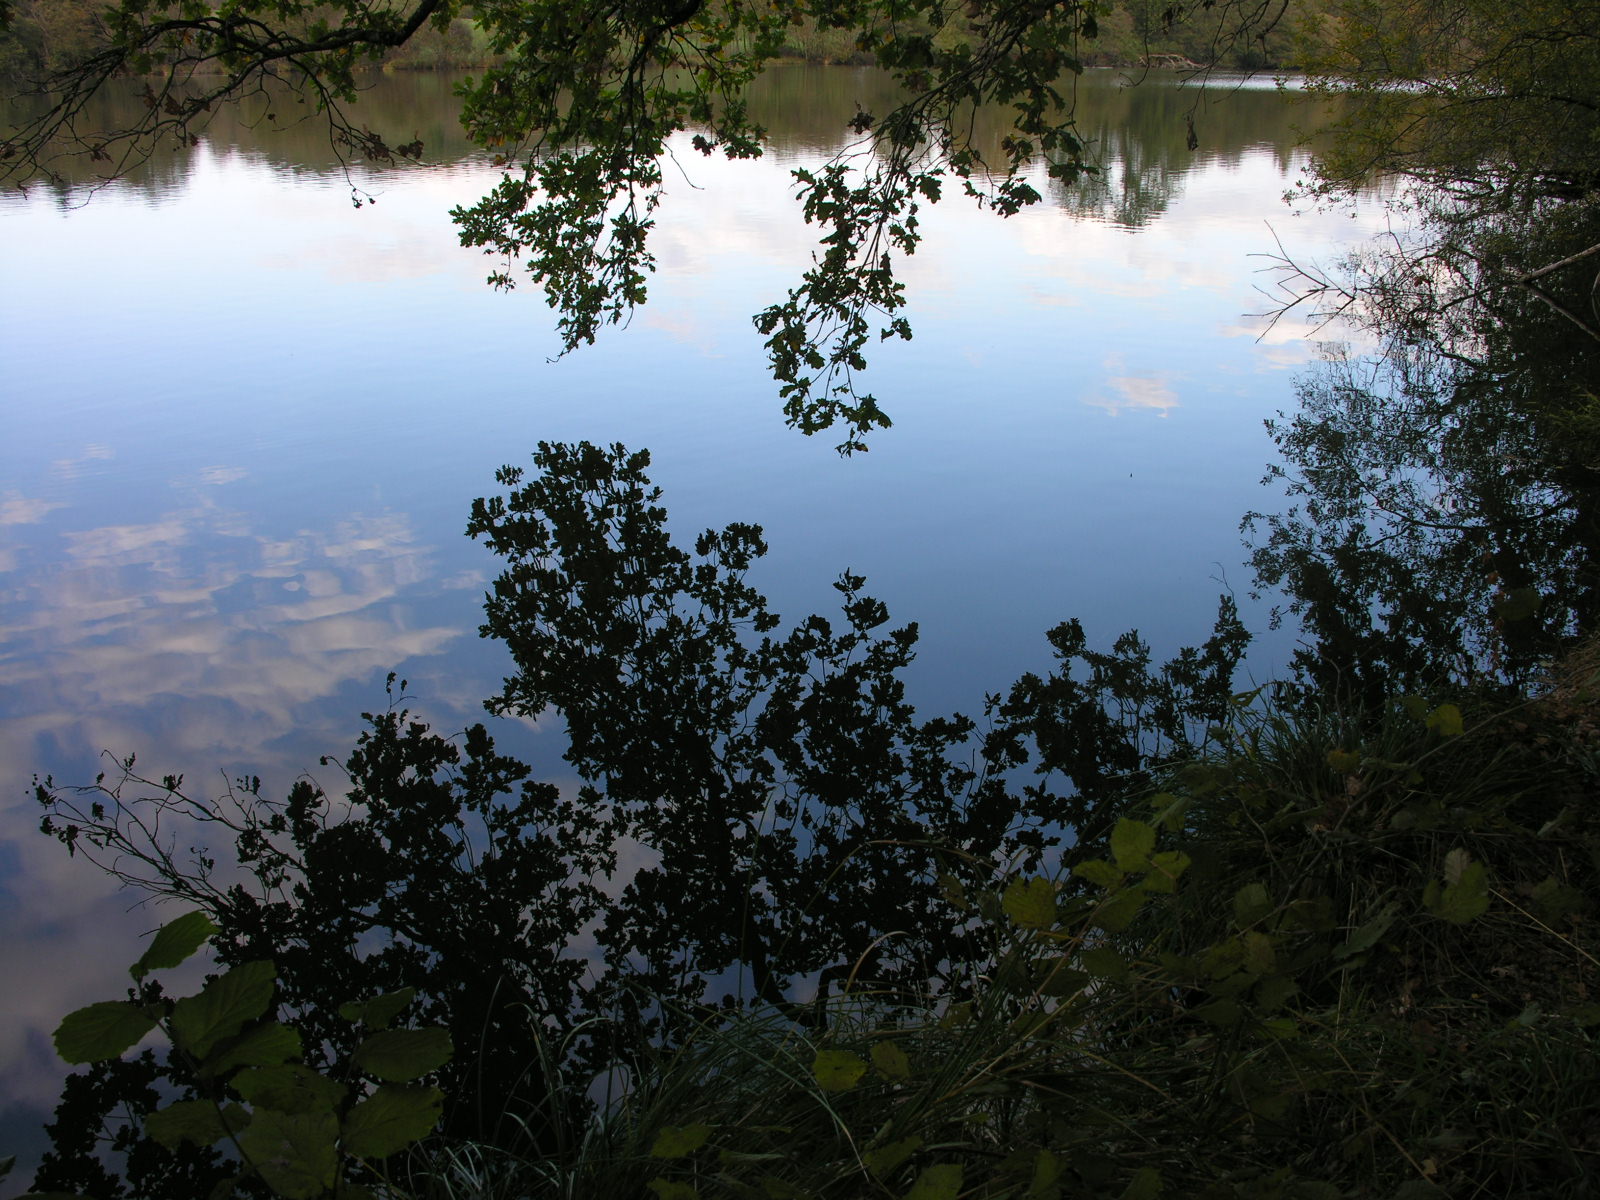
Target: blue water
[[245, 420]]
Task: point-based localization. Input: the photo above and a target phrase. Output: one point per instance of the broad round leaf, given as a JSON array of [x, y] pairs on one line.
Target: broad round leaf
[[391, 1119], [174, 942], [294, 1153], [680, 1141], [1132, 843], [939, 1182], [264, 1046], [377, 1012], [400, 1055], [289, 1088], [223, 1007], [196, 1121], [1031, 903], [838, 1070], [891, 1061], [883, 1161], [101, 1031]]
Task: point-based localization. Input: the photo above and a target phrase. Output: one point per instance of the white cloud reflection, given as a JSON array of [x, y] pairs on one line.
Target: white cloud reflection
[[17, 509], [191, 632], [1149, 391]]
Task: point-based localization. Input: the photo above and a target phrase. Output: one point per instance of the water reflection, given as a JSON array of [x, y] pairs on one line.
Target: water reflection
[[199, 625], [245, 423], [1137, 131]]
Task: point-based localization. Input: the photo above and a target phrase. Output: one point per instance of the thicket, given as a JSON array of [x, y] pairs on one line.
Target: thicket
[[1130, 934], [48, 35]]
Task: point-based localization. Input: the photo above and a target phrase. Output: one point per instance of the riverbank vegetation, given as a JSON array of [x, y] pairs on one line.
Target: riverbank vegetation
[[47, 35], [1122, 930]]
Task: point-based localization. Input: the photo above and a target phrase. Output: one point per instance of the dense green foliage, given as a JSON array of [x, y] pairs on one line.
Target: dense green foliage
[[300, 1134]]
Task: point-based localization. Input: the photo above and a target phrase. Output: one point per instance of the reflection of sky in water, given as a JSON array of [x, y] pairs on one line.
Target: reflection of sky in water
[[244, 424]]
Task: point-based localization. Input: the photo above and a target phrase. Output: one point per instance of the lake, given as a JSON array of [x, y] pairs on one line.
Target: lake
[[245, 421]]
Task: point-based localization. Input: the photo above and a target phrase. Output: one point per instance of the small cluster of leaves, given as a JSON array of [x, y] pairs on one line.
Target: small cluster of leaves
[[301, 1133]]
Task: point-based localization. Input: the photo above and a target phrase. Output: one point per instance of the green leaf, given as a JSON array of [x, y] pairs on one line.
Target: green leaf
[[671, 1189], [1097, 870], [1555, 899], [1250, 904], [1465, 894], [293, 1153], [377, 1012], [1058, 977], [680, 1141], [939, 1182], [223, 1007], [1367, 935], [1313, 1189], [174, 942], [1224, 1012], [101, 1031], [883, 1161], [391, 1119], [1116, 913], [891, 1061], [1586, 1015], [953, 891], [1165, 870], [1145, 1185], [228, 1188], [1273, 992], [1169, 811], [1260, 955], [1046, 1171], [289, 1088], [399, 1055], [1104, 962], [1446, 721], [1346, 762], [837, 1070], [1031, 903], [264, 1046], [1132, 843], [196, 1121]]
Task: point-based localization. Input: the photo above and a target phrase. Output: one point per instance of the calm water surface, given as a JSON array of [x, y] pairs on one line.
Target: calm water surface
[[244, 422]]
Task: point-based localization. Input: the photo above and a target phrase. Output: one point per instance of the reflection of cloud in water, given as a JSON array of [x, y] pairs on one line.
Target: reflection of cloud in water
[[189, 632], [17, 509], [72, 468], [1291, 340], [193, 608], [1147, 390]]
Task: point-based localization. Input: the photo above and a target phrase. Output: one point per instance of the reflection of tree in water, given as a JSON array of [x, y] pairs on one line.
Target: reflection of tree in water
[[1139, 132], [282, 129], [1448, 492]]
